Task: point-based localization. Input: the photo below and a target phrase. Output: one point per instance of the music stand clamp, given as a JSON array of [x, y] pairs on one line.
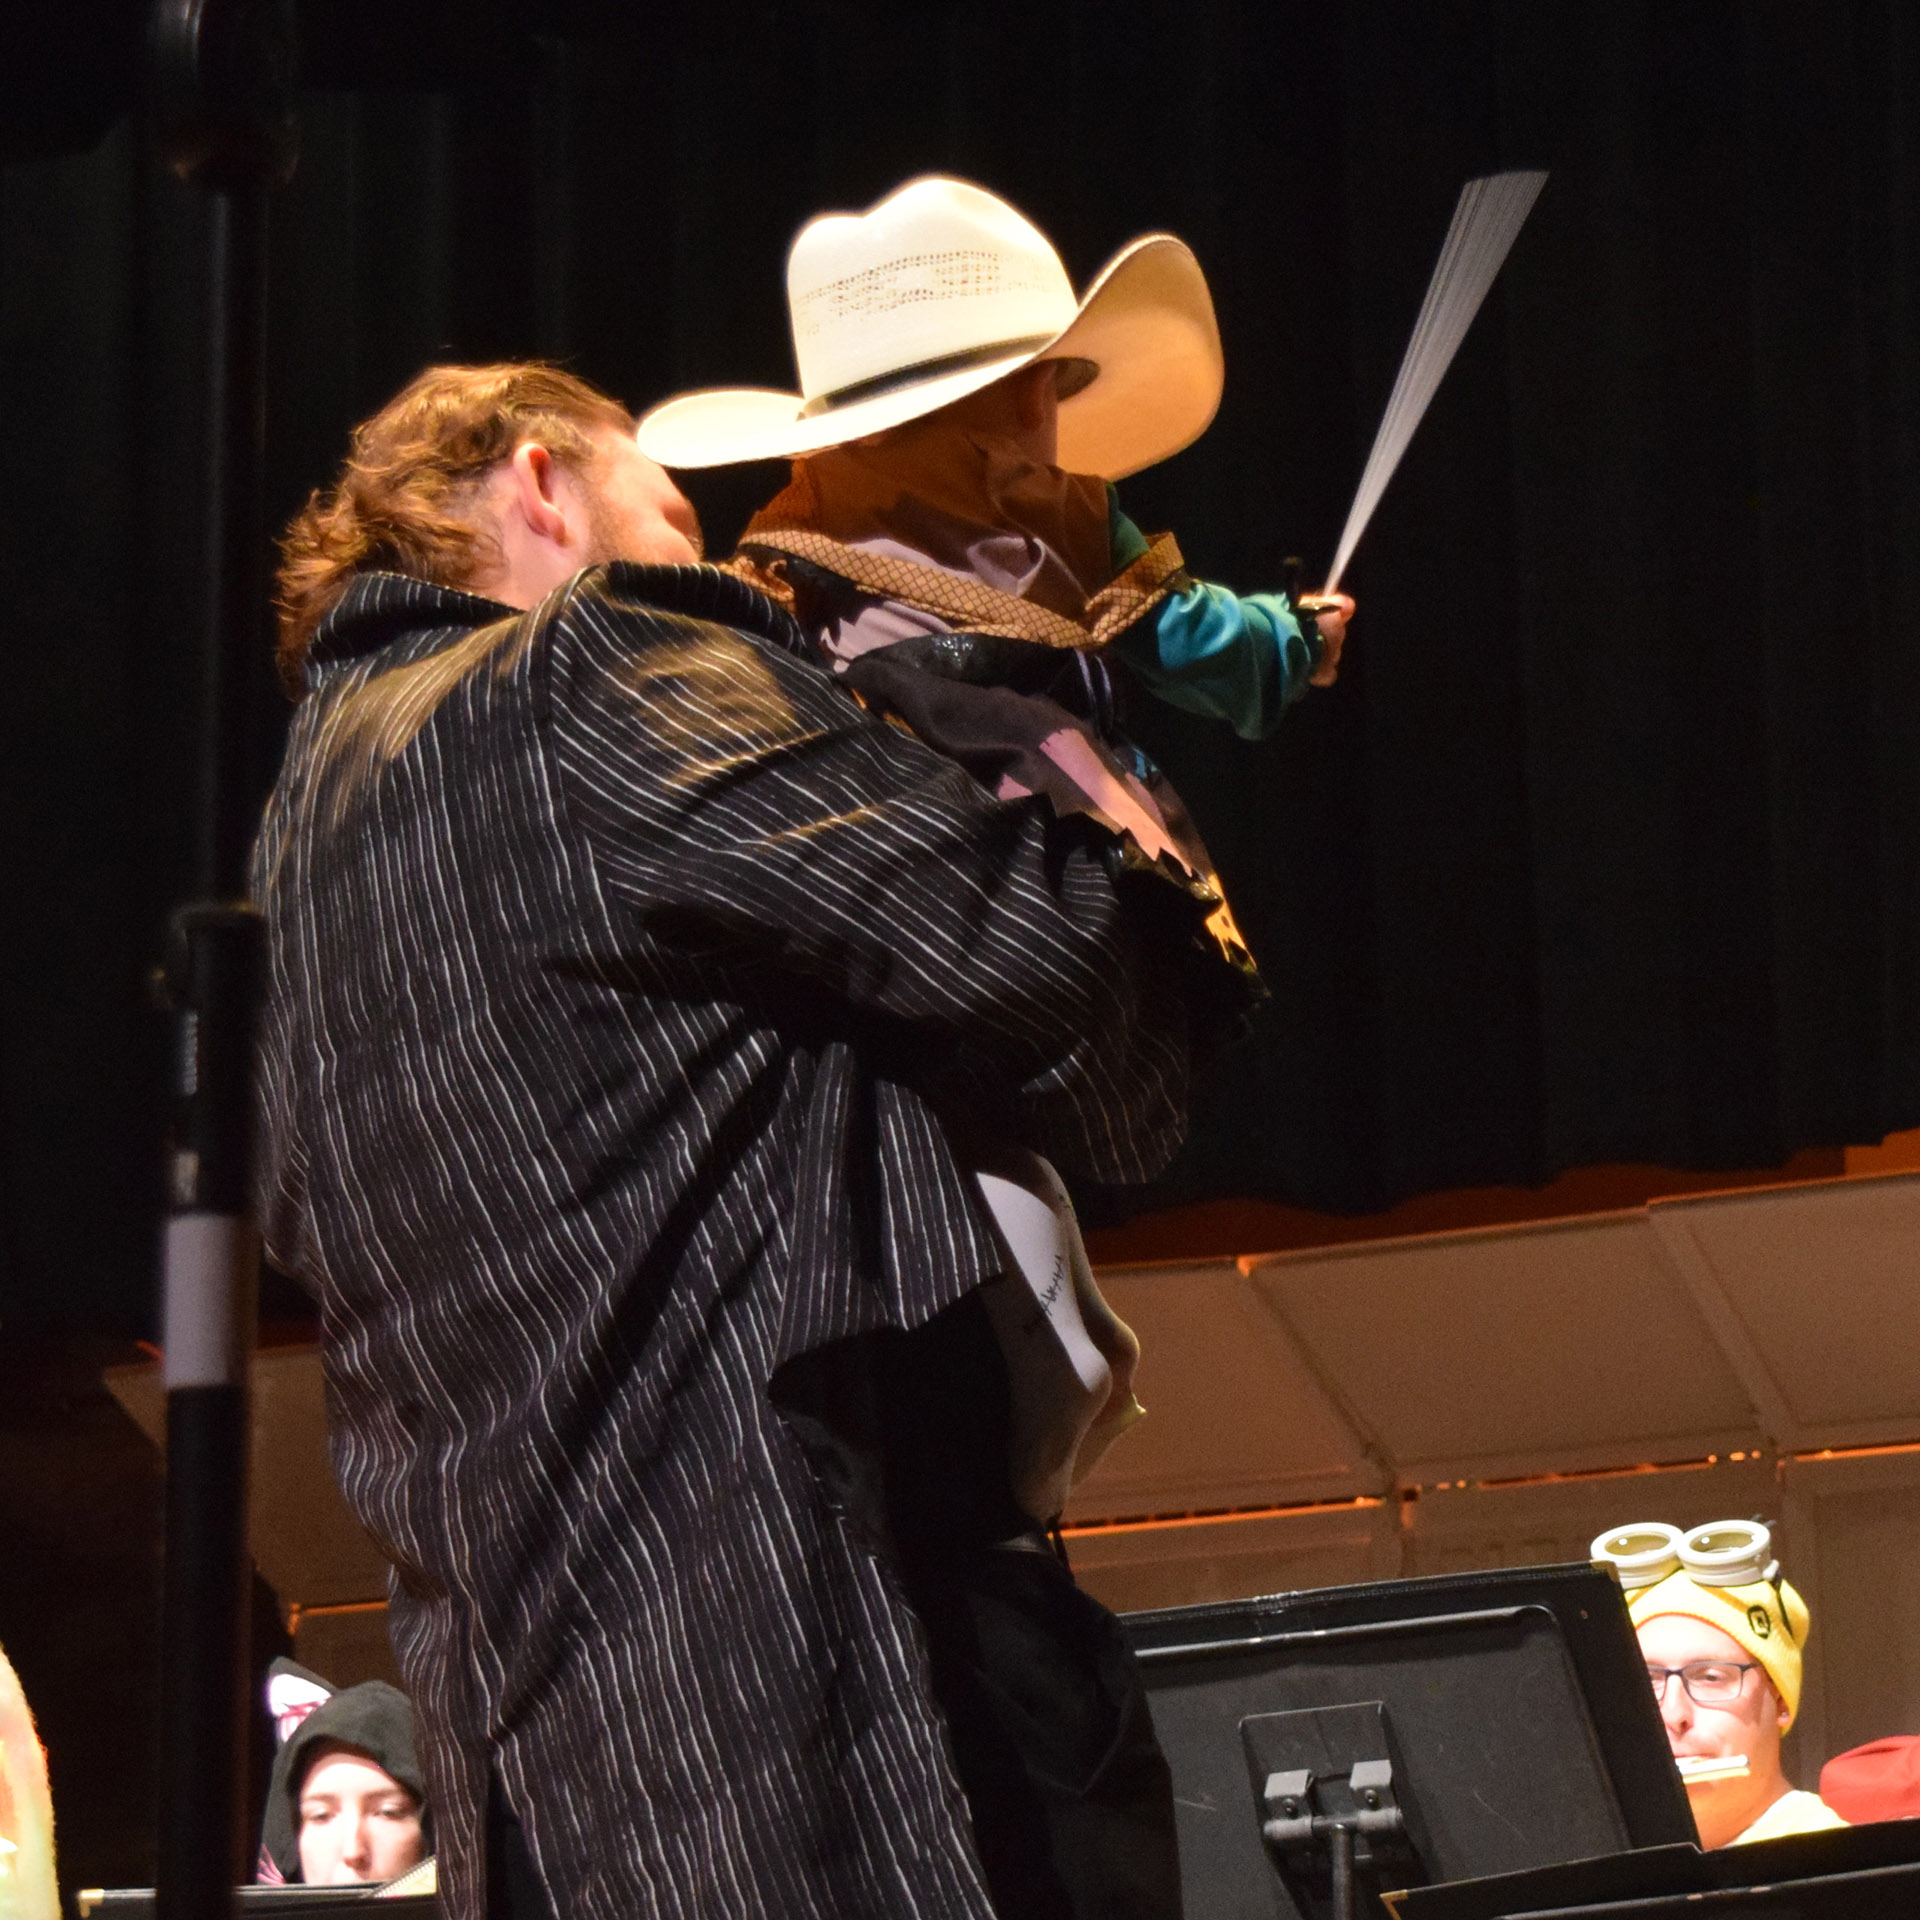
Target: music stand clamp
[[1334, 1823]]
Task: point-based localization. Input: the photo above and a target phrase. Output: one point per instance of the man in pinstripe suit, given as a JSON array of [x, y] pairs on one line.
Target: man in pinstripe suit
[[628, 981]]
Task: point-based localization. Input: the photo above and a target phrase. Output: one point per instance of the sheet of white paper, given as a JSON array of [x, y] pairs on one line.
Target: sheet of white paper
[[1486, 220], [1036, 1240]]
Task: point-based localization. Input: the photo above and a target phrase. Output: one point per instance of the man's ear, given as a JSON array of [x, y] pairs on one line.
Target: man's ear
[[535, 479]]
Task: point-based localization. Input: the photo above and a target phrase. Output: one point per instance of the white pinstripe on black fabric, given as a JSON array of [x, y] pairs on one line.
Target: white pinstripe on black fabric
[[619, 965]]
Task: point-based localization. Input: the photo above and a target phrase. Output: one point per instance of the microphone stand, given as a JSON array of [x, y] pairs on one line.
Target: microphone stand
[[222, 97]]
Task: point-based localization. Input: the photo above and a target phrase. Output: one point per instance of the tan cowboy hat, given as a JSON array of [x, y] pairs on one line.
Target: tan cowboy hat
[[942, 289]]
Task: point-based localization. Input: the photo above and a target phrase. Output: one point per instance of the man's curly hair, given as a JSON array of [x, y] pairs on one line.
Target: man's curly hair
[[404, 500]]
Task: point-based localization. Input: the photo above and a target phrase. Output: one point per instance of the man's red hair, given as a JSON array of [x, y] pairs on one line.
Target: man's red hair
[[404, 500]]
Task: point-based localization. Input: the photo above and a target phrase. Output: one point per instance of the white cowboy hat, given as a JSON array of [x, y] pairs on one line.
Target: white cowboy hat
[[941, 289]]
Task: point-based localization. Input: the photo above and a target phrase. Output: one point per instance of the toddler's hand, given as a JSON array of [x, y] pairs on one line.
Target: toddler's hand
[[1330, 614]]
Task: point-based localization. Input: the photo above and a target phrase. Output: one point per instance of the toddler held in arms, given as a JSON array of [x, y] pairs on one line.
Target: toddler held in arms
[[952, 543]]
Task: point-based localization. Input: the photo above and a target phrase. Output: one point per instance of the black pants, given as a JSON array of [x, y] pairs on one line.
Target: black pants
[[1071, 1799], [515, 1890]]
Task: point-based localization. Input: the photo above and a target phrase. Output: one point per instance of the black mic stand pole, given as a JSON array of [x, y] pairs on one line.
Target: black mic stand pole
[[222, 76]]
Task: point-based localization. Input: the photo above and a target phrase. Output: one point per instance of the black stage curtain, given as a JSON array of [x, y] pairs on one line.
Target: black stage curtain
[[1605, 845]]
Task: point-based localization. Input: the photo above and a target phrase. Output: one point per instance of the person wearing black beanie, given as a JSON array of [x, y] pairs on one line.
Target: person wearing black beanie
[[329, 1823]]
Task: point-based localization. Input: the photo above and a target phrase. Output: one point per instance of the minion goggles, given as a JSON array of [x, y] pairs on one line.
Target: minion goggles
[[1723, 1573]]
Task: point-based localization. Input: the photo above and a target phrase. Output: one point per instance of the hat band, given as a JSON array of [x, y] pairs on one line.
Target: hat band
[[921, 372]]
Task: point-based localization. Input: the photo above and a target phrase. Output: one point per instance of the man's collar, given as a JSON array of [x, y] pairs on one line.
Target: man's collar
[[708, 593], [378, 608]]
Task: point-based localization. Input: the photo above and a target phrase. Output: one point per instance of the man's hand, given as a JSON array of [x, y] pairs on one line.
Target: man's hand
[[1331, 612]]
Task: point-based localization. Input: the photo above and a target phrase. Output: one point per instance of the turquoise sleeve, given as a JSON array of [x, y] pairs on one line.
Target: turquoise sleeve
[[1229, 656]]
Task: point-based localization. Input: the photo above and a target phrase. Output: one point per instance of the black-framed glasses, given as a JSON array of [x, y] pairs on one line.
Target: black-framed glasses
[[1709, 1683]]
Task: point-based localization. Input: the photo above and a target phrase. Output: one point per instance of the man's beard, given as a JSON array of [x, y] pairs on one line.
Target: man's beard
[[606, 538]]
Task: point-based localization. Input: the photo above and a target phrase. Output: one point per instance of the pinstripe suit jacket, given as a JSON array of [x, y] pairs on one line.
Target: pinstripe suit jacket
[[619, 963]]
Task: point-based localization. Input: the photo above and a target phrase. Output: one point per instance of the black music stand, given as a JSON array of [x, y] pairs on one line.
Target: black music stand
[[1327, 1746], [361, 1902], [1851, 1873], [222, 113]]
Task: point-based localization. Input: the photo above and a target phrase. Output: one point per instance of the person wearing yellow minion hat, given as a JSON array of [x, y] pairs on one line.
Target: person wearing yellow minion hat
[[1722, 1635]]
